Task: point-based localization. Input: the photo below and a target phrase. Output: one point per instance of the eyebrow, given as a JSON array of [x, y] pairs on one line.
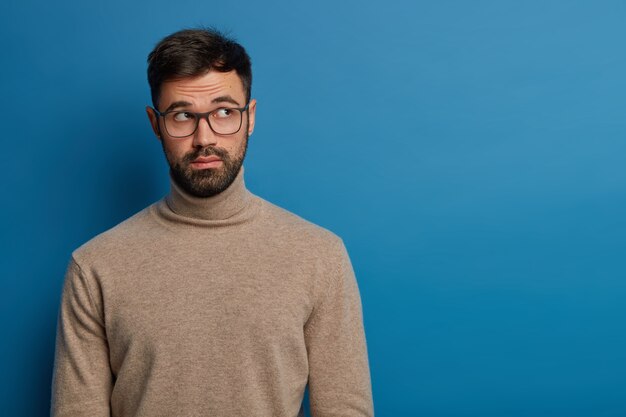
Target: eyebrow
[[225, 99], [177, 104]]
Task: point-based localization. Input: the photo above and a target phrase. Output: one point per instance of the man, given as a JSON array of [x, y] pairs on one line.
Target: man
[[211, 301]]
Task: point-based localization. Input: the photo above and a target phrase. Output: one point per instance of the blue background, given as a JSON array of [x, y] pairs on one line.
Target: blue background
[[470, 153]]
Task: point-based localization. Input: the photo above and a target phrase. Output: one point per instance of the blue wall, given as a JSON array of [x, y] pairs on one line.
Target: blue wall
[[470, 153]]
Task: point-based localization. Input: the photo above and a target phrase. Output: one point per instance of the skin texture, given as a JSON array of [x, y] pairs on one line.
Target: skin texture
[[204, 93]]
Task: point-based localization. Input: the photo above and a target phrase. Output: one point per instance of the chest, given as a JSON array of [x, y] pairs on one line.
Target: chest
[[202, 302]]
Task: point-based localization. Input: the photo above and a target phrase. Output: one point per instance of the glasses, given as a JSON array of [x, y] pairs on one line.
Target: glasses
[[222, 121]]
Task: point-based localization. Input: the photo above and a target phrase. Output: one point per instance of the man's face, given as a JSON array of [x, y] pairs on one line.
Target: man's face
[[205, 163]]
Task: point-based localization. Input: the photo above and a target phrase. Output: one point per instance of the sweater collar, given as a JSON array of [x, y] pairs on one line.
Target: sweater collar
[[218, 207]]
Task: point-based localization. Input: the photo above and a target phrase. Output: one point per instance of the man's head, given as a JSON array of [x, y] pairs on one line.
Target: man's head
[[200, 71]]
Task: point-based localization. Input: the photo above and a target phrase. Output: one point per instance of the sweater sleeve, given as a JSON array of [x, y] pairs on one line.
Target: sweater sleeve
[[339, 377], [82, 379]]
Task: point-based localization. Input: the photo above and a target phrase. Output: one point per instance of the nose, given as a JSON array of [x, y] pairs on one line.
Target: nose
[[204, 136]]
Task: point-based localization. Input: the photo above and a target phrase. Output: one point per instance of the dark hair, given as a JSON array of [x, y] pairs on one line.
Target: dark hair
[[194, 52]]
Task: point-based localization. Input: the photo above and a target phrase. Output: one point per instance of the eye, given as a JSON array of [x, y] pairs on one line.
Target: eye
[[182, 116], [223, 113]]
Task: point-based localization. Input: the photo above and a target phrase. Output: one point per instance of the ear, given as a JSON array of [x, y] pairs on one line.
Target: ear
[[154, 122], [251, 116]]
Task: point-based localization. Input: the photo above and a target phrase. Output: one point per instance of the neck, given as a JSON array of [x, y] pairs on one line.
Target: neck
[[218, 207]]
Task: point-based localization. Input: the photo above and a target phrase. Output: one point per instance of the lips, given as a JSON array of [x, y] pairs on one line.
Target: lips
[[204, 159], [207, 162]]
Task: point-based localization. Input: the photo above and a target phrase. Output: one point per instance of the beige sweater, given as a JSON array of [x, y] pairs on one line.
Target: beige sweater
[[224, 306]]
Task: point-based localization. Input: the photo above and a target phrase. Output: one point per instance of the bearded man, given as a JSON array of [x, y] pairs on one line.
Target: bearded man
[[212, 301]]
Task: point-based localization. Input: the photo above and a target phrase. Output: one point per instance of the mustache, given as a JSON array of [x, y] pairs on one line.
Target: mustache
[[207, 151]]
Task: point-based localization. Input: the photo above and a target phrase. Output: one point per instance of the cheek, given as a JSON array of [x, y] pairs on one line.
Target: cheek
[[237, 150], [176, 149]]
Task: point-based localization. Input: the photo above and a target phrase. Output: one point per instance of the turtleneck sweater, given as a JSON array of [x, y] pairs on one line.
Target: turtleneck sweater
[[219, 306]]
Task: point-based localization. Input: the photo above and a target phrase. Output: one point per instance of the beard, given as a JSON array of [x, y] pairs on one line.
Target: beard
[[209, 181]]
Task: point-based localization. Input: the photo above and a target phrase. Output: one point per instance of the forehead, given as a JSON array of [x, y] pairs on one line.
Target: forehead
[[203, 88]]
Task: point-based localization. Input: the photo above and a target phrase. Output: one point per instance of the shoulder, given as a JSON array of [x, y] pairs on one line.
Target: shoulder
[[295, 229], [136, 229]]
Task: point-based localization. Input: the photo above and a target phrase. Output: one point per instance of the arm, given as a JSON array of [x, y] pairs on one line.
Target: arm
[[339, 378], [82, 379]]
